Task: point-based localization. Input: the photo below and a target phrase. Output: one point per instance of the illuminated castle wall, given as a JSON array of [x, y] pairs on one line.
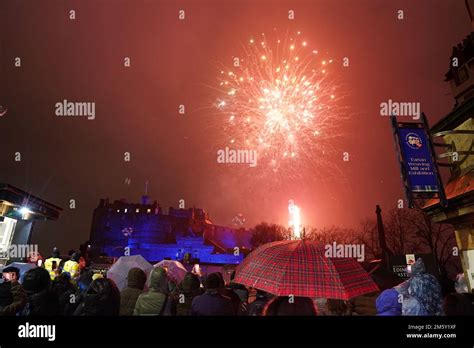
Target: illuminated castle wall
[[144, 229]]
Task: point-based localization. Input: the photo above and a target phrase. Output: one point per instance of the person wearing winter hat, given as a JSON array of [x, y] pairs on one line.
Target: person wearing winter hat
[[389, 303], [41, 301], [136, 280], [212, 302], [12, 295]]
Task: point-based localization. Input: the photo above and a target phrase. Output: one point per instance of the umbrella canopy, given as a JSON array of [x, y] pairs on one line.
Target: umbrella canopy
[[176, 270], [23, 267], [119, 270], [300, 268]]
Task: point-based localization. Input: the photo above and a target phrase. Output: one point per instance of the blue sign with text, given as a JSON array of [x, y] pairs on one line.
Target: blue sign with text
[[419, 167]]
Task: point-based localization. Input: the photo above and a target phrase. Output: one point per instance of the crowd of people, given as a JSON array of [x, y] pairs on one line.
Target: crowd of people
[[67, 288]]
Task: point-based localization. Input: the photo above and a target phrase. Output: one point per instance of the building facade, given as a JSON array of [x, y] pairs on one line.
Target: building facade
[[456, 130], [122, 228]]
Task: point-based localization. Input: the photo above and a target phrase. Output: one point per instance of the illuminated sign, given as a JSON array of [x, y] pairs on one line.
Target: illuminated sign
[[417, 161], [419, 166]]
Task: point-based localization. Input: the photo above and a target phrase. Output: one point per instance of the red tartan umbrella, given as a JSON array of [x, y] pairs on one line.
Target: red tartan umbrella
[[300, 268]]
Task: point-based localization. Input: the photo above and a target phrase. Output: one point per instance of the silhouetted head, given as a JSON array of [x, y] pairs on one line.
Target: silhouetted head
[[336, 306], [36, 280], [290, 306], [11, 269], [136, 278], [213, 281], [102, 298], [158, 280], [190, 283], [55, 252]]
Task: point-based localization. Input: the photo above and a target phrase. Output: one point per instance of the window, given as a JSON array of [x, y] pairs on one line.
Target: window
[[462, 75]]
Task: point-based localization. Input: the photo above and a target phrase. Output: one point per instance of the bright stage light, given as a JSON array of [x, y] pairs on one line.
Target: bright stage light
[[24, 211]]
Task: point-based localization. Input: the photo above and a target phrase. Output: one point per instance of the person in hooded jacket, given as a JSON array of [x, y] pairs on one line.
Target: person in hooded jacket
[[135, 284], [157, 300], [187, 290], [101, 299], [388, 303], [421, 293], [212, 302], [40, 299]]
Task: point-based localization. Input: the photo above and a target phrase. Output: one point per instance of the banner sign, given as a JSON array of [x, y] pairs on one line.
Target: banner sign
[[417, 161]]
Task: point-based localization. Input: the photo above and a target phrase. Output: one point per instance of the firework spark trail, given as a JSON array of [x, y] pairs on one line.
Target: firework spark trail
[[281, 101], [294, 222]]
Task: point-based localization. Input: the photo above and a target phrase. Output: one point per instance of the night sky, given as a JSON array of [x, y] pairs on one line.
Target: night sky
[[175, 62]]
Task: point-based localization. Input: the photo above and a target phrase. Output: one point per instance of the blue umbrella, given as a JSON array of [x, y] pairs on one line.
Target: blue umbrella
[[23, 267]]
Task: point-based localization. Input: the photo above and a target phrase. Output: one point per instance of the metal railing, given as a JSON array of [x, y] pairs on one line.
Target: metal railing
[[452, 151]]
